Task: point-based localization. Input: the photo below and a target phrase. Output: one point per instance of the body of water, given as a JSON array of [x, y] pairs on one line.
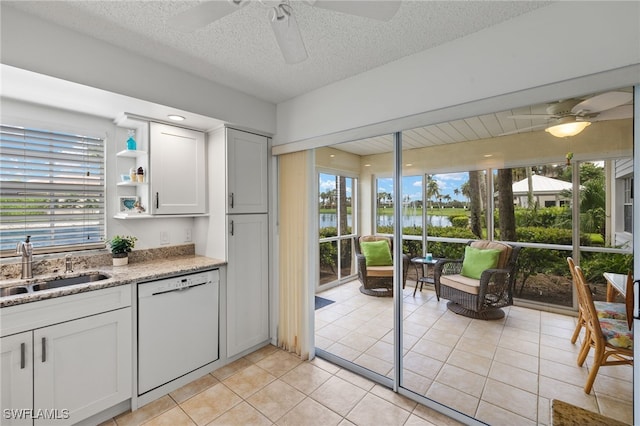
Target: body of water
[[330, 220]]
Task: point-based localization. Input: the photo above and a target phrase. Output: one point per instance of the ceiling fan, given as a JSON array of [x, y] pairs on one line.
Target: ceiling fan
[[283, 21], [570, 116]]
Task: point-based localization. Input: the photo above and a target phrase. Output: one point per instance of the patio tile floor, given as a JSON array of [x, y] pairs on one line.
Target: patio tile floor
[[501, 372]]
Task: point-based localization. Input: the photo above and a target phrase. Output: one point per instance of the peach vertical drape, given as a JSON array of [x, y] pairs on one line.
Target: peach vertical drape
[[293, 228]]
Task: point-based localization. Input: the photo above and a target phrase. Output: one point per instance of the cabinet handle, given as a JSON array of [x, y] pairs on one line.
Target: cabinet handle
[[231, 228], [23, 360], [157, 200], [231, 196], [44, 349]]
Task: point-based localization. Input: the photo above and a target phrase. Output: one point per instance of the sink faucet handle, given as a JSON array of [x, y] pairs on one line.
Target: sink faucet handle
[[25, 247], [68, 263]]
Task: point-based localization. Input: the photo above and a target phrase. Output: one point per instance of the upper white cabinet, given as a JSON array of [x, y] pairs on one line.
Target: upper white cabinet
[[177, 176], [246, 172]]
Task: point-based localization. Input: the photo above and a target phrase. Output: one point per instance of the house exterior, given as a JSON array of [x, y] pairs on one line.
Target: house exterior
[[546, 191]]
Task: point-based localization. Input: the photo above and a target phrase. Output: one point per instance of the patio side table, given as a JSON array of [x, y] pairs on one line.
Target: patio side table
[[422, 271]]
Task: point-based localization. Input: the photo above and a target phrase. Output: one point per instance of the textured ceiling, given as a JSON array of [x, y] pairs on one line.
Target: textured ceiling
[[240, 50]]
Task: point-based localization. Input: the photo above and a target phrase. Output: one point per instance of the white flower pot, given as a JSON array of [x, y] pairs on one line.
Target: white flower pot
[[120, 261]]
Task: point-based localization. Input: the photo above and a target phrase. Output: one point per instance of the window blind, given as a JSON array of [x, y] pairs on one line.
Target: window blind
[[52, 188]]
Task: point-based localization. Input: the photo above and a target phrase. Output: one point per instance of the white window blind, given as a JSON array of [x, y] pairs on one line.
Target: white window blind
[[52, 188]]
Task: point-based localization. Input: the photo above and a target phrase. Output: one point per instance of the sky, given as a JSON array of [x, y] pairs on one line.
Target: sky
[[412, 185]]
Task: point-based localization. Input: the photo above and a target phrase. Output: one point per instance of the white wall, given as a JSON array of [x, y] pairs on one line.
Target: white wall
[[545, 50], [147, 230], [36, 45]]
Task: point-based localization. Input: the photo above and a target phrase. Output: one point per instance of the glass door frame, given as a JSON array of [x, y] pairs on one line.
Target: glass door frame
[[340, 237]]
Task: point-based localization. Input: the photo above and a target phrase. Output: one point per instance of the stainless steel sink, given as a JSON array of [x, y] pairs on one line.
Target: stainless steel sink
[[10, 291], [56, 282], [63, 282]]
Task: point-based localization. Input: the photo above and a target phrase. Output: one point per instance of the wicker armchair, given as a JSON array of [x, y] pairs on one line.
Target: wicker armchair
[[378, 280], [478, 298]]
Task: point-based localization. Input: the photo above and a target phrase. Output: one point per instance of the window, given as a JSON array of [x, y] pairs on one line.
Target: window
[[336, 226], [628, 204], [52, 188]]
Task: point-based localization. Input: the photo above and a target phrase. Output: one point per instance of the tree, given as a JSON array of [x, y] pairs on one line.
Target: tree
[[475, 203], [592, 198], [323, 197], [433, 191], [465, 190], [507, 221]]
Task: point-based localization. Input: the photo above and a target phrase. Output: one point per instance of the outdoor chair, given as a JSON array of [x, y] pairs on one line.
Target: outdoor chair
[[480, 283], [611, 339], [374, 256], [604, 309]]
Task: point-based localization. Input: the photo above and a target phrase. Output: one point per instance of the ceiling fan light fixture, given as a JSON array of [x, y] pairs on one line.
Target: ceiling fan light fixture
[[285, 28], [569, 127]]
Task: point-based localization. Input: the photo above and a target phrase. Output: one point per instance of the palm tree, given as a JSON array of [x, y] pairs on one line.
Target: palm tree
[[432, 188], [323, 198]]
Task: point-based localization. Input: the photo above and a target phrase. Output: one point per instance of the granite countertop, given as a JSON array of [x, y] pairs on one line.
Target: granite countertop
[[120, 275]]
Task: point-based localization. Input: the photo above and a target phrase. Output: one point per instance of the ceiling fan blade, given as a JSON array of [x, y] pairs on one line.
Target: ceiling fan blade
[[285, 28], [531, 116], [382, 10], [617, 113], [204, 14], [524, 129], [602, 102]]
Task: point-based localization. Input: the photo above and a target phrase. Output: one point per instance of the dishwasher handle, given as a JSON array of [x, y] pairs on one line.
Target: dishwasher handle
[[179, 289]]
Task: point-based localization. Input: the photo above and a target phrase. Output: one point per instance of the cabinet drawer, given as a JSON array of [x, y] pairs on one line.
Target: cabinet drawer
[[29, 316]]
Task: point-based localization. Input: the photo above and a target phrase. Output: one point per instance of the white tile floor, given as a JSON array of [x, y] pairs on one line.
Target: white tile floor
[[273, 387], [503, 372]]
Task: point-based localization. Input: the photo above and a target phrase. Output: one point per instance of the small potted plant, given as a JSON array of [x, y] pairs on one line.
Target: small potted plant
[[120, 248]]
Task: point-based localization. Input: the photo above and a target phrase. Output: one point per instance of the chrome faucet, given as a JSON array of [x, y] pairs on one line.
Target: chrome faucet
[[25, 248], [68, 264]]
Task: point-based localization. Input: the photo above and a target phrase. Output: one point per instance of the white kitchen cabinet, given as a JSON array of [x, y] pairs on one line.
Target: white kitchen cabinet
[[247, 282], [238, 231], [177, 175], [83, 366], [16, 370], [247, 181], [63, 373]]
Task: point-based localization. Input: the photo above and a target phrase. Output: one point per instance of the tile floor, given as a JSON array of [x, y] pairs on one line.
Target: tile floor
[[273, 387], [502, 372]]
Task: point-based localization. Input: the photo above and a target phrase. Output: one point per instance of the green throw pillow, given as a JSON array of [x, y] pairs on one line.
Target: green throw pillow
[[376, 253], [477, 260]]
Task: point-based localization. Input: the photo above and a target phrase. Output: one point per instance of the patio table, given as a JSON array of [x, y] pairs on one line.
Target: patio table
[[422, 265], [618, 283]]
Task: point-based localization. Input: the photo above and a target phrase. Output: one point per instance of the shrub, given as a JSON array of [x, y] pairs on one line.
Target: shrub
[[595, 264], [460, 221]]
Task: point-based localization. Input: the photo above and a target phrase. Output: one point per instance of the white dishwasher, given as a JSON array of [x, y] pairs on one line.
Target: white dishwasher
[[177, 327]]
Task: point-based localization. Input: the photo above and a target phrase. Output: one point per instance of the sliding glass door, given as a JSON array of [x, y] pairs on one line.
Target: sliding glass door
[[337, 227], [483, 178]]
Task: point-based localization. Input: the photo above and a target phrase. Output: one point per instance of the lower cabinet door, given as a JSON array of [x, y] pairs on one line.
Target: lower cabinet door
[[16, 371], [247, 282], [82, 367]]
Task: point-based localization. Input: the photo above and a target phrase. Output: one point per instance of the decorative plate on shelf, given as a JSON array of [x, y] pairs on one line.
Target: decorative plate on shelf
[[127, 203]]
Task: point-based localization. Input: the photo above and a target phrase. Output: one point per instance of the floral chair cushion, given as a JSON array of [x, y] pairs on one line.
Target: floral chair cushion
[[611, 310], [617, 333]]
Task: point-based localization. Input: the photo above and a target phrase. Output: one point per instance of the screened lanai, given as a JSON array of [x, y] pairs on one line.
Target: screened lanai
[[452, 178]]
